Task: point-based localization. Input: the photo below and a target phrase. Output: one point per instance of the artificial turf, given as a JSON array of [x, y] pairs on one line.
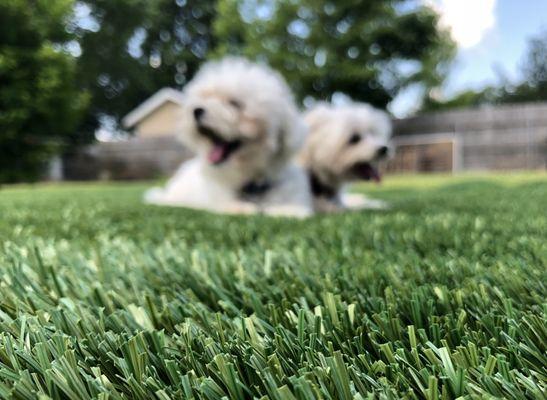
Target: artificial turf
[[441, 296]]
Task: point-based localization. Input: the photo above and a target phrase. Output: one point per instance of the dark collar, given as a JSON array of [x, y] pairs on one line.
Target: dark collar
[[254, 189], [320, 189]]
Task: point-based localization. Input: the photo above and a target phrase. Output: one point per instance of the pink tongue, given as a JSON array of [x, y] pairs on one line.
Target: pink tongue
[[217, 154], [376, 177], [369, 172]]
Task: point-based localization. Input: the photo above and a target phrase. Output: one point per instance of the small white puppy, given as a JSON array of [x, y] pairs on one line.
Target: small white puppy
[[344, 144], [241, 121]]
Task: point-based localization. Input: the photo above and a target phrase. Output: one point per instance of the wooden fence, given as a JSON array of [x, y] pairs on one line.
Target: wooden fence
[[135, 158], [511, 137], [490, 138]]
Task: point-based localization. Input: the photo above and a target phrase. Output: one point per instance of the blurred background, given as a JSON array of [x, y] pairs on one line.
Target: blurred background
[[90, 89]]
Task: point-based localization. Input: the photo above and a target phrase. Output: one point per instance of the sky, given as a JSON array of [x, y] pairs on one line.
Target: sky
[[492, 38]]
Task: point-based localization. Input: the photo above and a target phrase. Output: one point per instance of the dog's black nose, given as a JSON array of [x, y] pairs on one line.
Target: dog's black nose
[[382, 152], [198, 113]]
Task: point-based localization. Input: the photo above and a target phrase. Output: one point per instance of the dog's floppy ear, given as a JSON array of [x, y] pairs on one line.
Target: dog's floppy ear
[[383, 124], [317, 116], [181, 118]]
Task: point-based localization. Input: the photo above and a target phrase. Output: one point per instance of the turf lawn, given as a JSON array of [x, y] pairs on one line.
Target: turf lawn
[[441, 296]]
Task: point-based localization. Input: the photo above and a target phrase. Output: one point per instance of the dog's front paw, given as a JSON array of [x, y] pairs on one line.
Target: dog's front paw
[[154, 195], [288, 211], [240, 208], [356, 201]]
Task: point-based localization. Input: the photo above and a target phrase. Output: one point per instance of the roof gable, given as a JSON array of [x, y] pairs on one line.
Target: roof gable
[[151, 104]]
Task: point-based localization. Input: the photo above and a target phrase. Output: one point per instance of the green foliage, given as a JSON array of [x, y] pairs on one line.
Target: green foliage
[[106, 70], [439, 297], [534, 86], [368, 50], [39, 103], [136, 47]]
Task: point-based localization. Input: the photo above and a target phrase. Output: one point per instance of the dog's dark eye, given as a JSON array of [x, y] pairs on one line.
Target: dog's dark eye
[[235, 103], [355, 138]]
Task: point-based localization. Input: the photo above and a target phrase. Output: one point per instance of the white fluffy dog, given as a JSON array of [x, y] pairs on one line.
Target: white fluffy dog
[[344, 144], [241, 121]]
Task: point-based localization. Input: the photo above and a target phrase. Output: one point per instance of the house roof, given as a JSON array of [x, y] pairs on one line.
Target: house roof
[[151, 104]]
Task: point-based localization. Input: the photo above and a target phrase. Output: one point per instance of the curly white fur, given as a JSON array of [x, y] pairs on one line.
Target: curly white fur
[[344, 144], [241, 121]]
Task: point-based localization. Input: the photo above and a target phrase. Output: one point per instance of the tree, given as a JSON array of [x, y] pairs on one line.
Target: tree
[[132, 48], [368, 50], [534, 71], [40, 105]]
